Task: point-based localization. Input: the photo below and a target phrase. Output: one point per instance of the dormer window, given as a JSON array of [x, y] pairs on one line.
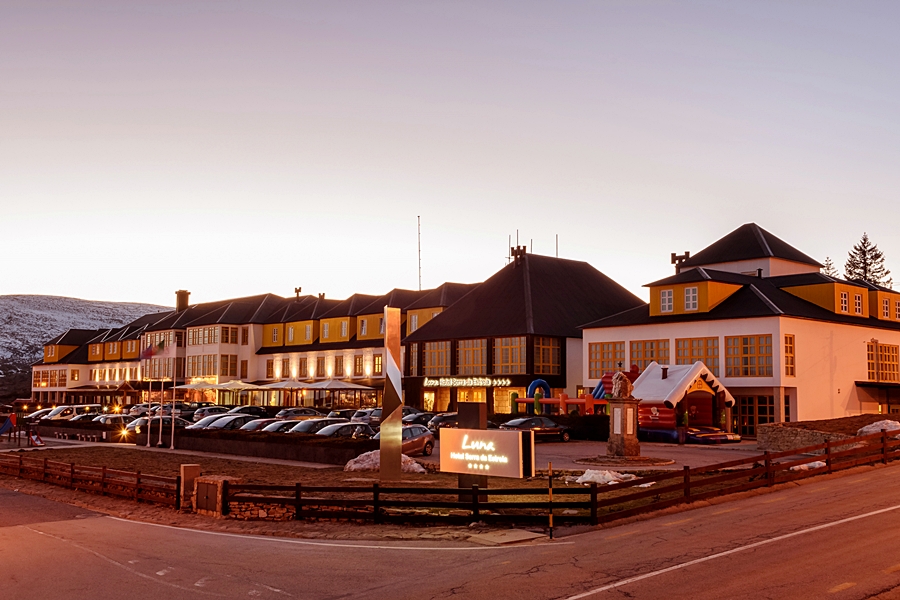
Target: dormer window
[[113, 347], [343, 329], [325, 331], [381, 325], [897, 310], [857, 303], [274, 335], [665, 301], [690, 298], [51, 351], [845, 302], [364, 327], [290, 334], [308, 332], [413, 323], [886, 308]]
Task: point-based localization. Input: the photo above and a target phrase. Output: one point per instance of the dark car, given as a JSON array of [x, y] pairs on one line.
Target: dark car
[[299, 412], [206, 411], [421, 418], [542, 427], [280, 426], [114, 419], [417, 439], [258, 424], [342, 413], [258, 412], [231, 421], [347, 430], [375, 416], [700, 434], [207, 421], [141, 425], [315, 425], [442, 420], [85, 417]]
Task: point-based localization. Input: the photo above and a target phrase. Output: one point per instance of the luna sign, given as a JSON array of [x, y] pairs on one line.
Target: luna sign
[[487, 452]]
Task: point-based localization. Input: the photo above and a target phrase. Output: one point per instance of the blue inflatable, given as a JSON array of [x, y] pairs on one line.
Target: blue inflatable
[[532, 388]]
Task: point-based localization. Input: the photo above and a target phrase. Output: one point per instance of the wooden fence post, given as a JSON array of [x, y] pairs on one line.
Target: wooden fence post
[[298, 500], [594, 519], [103, 481], [177, 491], [476, 511], [884, 446], [224, 497], [770, 476], [687, 483], [828, 455], [376, 502]]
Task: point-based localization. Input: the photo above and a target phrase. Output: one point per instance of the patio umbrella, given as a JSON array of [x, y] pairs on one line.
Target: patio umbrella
[[288, 385], [195, 386], [336, 384], [236, 385]]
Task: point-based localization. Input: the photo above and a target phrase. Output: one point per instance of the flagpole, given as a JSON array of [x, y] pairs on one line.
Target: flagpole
[[149, 403], [174, 362], [162, 399]]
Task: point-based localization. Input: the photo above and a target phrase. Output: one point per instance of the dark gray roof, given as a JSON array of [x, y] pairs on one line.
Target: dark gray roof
[[396, 298], [443, 296], [540, 295], [75, 337], [746, 243], [350, 307]]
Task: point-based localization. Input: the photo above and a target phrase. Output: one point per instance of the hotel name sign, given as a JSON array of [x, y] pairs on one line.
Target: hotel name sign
[[487, 452], [465, 382]]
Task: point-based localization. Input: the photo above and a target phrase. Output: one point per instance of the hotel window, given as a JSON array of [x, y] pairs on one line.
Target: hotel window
[[883, 362], [845, 302], [857, 303], [509, 355], [886, 308], [471, 357], [96, 350], [290, 334], [53, 379], [343, 329], [381, 325], [790, 367], [179, 339], [230, 334], [363, 327], [274, 335], [665, 301], [51, 351], [62, 378], [644, 352], [897, 310], [437, 359], [270, 368], [285, 368], [244, 365], [547, 356], [245, 336], [705, 350], [748, 356], [325, 331], [690, 298], [413, 323], [413, 359], [74, 375], [378, 365], [338, 366], [308, 332], [605, 357], [302, 368], [358, 365], [320, 366]]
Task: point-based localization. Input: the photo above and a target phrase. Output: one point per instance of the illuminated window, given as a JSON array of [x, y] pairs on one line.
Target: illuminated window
[[363, 327], [509, 355], [748, 356], [790, 369], [75, 375], [705, 350], [857, 303], [358, 365], [547, 356], [845, 302], [690, 298], [379, 369], [338, 366], [270, 369], [644, 352], [285, 368], [471, 357], [302, 368], [320, 366], [437, 359], [665, 301], [883, 362], [605, 357]]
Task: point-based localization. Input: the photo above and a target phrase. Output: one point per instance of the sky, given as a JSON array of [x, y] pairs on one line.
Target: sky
[[237, 148]]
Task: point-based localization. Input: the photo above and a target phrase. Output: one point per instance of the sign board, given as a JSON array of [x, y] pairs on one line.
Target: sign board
[[501, 453], [467, 382]]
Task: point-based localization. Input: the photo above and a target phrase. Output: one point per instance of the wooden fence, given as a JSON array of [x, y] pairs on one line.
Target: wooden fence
[[99, 480], [593, 504]]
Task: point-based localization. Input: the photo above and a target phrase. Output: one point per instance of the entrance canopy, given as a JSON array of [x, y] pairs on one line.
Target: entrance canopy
[[665, 385]]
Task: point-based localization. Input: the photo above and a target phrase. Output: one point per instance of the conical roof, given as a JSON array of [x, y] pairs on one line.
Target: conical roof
[[748, 242]]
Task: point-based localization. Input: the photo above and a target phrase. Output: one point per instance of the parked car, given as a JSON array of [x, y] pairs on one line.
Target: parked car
[[542, 427], [85, 417], [113, 419], [348, 430], [206, 411], [362, 415], [140, 410], [375, 417], [67, 411], [207, 421], [150, 424], [280, 426], [38, 415], [421, 418], [231, 421], [442, 420], [258, 424], [315, 425], [258, 412], [342, 413], [700, 434], [299, 412], [417, 439]]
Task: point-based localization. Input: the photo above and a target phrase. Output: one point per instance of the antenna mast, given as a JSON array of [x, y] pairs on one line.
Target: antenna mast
[[419, 225]]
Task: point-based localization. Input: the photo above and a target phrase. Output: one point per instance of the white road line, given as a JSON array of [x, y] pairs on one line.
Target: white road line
[[335, 545], [165, 571], [728, 552]]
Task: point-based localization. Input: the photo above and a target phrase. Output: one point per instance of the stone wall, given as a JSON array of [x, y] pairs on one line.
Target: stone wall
[[259, 511], [778, 437]]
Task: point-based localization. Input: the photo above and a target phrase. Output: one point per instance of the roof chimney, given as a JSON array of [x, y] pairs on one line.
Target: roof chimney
[[297, 291], [759, 273], [181, 300], [321, 296], [665, 372]]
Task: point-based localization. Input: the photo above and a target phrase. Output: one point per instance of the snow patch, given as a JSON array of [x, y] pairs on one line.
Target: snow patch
[[371, 461], [878, 426], [605, 477], [816, 464]]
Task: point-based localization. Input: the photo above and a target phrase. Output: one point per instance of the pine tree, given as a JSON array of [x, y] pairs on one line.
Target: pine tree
[[866, 262], [829, 269]]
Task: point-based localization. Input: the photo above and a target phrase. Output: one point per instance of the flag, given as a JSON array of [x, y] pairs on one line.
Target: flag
[[150, 351]]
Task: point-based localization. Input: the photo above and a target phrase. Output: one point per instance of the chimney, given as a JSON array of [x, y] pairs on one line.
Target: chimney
[[297, 291], [665, 372], [321, 296], [759, 273], [181, 300]]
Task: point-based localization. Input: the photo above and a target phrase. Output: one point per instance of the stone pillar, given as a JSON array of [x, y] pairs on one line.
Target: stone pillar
[[623, 422], [189, 473]]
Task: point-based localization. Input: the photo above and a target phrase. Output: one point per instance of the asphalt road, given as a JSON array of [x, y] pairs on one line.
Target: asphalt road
[[837, 538]]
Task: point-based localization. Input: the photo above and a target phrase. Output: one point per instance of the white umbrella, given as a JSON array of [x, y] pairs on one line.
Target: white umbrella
[[336, 384], [237, 385], [287, 384], [195, 386]]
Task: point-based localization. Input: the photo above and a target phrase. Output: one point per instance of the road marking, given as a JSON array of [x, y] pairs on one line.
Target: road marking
[[722, 512], [618, 535], [165, 571], [260, 538], [841, 588], [704, 559], [201, 582], [890, 570], [272, 589], [677, 522]]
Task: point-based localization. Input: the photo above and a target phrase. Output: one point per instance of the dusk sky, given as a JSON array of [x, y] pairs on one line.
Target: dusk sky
[[238, 148]]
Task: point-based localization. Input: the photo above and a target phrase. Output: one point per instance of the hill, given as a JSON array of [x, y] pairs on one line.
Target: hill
[[26, 322]]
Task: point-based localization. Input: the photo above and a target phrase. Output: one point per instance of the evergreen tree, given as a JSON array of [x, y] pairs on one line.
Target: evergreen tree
[[829, 269], [866, 262]]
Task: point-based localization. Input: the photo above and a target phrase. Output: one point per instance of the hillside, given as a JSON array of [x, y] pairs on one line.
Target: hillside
[[26, 322]]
